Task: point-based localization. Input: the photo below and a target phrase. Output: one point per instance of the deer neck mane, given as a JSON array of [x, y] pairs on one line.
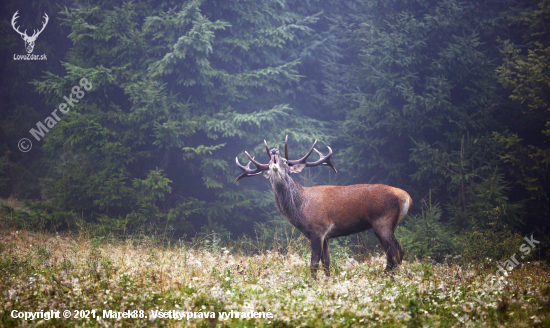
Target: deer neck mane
[[289, 197]]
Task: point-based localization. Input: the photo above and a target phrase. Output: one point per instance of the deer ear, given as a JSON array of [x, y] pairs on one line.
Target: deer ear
[[297, 168], [267, 174]]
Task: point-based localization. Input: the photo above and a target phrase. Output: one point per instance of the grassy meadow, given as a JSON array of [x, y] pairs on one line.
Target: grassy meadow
[[41, 271]]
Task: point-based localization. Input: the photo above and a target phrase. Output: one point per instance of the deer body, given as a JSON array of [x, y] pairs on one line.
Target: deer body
[[325, 212], [353, 209]]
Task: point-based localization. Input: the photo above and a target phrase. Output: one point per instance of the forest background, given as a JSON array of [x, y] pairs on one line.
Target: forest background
[[448, 100]]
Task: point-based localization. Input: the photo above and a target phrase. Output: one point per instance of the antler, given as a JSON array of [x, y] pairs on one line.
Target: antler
[[43, 26], [286, 148], [247, 171], [323, 160], [24, 34], [13, 19], [267, 149]]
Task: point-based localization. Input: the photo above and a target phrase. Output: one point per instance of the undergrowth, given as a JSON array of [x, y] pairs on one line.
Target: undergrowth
[[44, 271]]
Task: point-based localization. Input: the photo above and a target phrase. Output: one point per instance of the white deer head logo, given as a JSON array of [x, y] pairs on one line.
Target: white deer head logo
[[29, 40]]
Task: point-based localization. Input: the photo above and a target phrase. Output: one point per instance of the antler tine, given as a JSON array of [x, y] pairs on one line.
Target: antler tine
[[247, 171], [267, 149], [240, 165], [323, 160], [13, 19], [43, 25], [258, 164], [303, 159], [286, 147]]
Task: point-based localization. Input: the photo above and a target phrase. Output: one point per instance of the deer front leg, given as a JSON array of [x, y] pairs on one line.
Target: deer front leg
[[316, 250]]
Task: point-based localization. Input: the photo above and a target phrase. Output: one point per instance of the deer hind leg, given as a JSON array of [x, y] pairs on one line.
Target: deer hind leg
[[316, 252], [394, 252], [325, 257]]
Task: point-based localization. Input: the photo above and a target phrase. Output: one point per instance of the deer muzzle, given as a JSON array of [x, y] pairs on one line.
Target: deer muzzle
[[275, 160]]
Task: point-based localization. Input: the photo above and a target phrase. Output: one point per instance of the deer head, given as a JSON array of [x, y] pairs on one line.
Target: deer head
[[29, 40]]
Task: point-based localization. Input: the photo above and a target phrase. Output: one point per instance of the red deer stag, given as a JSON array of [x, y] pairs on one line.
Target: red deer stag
[[324, 212]]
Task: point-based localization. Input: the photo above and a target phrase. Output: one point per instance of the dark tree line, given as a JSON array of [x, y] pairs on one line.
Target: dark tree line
[[448, 100]]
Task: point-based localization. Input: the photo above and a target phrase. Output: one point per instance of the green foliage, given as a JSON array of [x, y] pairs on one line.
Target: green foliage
[[414, 311], [144, 271], [421, 95], [419, 74], [211, 241], [418, 98], [524, 71], [37, 216], [473, 179], [527, 164], [527, 75], [166, 79], [490, 245], [425, 235], [153, 188]]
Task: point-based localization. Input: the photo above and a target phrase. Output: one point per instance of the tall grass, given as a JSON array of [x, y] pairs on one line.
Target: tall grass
[[209, 273]]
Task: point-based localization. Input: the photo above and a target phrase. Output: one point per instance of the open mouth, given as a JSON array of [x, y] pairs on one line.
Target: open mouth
[[274, 154]]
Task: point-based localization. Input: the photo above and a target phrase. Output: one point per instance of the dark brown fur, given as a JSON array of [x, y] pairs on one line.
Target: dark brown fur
[[325, 212]]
